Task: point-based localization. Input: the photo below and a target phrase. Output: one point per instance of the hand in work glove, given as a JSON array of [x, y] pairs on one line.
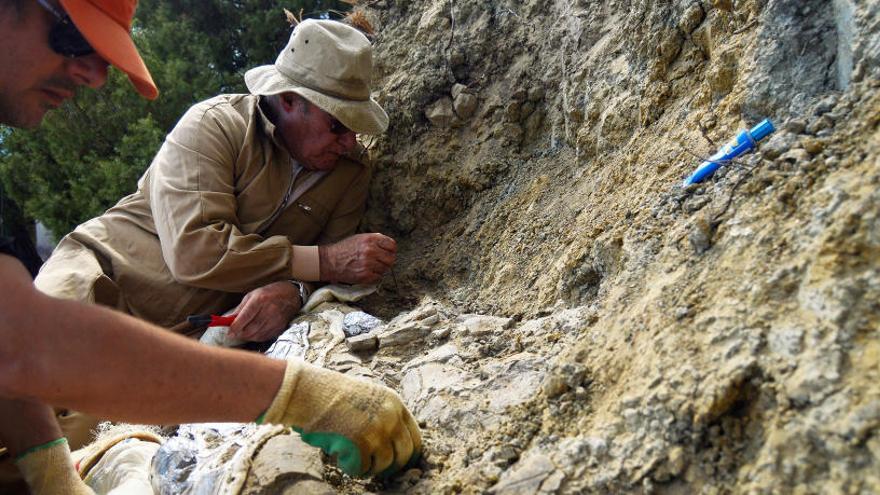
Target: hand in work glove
[[48, 470], [365, 425]]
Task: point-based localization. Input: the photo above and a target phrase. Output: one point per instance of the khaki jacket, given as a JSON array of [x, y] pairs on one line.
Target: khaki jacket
[[206, 224]]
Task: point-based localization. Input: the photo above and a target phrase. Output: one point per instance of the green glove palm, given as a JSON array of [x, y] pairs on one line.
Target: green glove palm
[[365, 425]]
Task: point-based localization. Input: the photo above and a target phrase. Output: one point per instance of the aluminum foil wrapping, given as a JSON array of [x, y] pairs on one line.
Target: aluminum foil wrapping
[[358, 322], [208, 458], [294, 342], [213, 458]]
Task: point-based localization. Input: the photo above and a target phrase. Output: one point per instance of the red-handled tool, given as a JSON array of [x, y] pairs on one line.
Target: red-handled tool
[[211, 320]]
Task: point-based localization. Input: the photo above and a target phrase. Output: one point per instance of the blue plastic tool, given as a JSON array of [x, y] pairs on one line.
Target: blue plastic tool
[[745, 141]]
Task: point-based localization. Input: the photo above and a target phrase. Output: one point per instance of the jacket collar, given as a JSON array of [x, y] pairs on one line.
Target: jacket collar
[[267, 125]]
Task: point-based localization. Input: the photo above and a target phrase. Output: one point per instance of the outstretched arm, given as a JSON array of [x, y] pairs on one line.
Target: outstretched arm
[[108, 364], [102, 362]]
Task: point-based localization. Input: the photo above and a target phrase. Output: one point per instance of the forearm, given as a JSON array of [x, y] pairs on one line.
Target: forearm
[[108, 364], [236, 271]]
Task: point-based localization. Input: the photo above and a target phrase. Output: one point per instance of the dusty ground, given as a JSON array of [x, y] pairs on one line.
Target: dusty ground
[[641, 337], [565, 317]]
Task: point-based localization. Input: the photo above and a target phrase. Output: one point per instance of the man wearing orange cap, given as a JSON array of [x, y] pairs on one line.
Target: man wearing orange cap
[[109, 364]]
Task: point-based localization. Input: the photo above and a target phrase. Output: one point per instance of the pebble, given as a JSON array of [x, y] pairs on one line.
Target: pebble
[[441, 333], [458, 89], [813, 146], [677, 461], [554, 386], [795, 126], [361, 343], [430, 320], [441, 113], [512, 111], [698, 202], [777, 145], [692, 18], [700, 235], [823, 122], [410, 476], [682, 312], [826, 105], [796, 155], [504, 455], [464, 105]]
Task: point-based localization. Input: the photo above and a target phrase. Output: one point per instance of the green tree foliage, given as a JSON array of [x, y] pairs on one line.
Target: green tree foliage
[[90, 152]]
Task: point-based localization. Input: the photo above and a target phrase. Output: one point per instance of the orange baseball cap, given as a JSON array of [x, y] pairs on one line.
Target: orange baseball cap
[[106, 25]]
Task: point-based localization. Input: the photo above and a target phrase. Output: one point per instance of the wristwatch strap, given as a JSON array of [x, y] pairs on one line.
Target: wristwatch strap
[[304, 292]]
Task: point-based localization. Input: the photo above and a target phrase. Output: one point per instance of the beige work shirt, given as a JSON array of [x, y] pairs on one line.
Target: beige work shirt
[[206, 223]]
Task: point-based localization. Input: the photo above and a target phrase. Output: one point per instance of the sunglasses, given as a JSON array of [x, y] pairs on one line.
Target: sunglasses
[[64, 38], [337, 127]]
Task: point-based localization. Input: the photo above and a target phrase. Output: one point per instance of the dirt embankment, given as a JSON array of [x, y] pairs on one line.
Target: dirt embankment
[[588, 324]]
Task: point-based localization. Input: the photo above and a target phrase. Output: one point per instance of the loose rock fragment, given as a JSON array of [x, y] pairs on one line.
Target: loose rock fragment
[[526, 476], [822, 123], [458, 89], [464, 105], [441, 112], [361, 343], [402, 336], [813, 146], [286, 461], [796, 155], [700, 235], [795, 126]]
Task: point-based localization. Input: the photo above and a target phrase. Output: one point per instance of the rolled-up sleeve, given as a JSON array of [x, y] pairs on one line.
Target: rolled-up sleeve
[[192, 194]]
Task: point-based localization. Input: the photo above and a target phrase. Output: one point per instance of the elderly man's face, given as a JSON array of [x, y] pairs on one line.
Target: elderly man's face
[[33, 78], [313, 137]]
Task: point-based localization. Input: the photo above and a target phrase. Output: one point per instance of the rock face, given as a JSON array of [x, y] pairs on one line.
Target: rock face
[[285, 461], [601, 329], [564, 316]]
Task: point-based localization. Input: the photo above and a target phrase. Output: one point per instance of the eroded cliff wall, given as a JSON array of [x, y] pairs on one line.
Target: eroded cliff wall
[[601, 328]]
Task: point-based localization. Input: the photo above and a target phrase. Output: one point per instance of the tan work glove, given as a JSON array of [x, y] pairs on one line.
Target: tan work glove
[[365, 425], [48, 470]]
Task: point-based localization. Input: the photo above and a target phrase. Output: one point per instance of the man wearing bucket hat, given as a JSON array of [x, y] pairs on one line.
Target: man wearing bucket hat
[[106, 363], [247, 194]]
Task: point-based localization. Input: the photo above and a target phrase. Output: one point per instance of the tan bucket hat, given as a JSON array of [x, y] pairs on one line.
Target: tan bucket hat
[[329, 64]]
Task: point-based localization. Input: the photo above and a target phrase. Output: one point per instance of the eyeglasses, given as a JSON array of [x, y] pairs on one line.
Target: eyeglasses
[[337, 127], [64, 38]]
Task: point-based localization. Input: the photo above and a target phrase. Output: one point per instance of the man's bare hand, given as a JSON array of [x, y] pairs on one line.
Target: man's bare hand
[[265, 312], [359, 259]]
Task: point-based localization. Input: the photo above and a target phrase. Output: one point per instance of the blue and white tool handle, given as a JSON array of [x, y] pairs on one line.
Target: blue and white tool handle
[[745, 141]]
